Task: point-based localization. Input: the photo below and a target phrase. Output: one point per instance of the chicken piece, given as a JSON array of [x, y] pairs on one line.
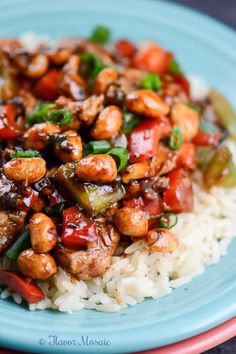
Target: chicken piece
[[90, 108], [93, 262], [86, 111], [11, 223]]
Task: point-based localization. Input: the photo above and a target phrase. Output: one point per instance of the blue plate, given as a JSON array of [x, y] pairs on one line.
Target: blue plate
[[203, 47]]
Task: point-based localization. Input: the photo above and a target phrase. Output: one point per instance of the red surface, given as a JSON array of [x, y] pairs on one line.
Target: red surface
[[200, 343], [194, 345]]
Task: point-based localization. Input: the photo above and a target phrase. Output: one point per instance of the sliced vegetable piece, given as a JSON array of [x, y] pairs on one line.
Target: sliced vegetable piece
[[21, 244], [8, 126], [152, 58], [208, 134], [151, 82], [47, 87], [78, 230], [164, 126], [167, 220], [183, 83], [91, 65], [46, 113], [40, 113], [143, 141], [176, 138], [130, 121], [150, 207], [221, 169], [29, 291], [225, 112], [120, 155], [97, 147], [93, 198], [203, 156], [178, 197], [25, 153], [60, 116], [186, 156], [100, 35], [174, 67], [125, 48]]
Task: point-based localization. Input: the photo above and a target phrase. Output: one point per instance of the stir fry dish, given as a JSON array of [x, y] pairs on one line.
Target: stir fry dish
[[99, 142]]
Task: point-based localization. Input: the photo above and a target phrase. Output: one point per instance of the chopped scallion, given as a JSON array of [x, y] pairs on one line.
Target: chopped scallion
[[91, 65], [121, 156], [26, 153], [97, 147], [46, 113], [175, 139], [22, 243], [174, 67], [100, 35], [166, 222], [151, 82], [130, 121]]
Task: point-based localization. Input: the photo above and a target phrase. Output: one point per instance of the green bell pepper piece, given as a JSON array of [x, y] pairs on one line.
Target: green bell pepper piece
[[92, 197]]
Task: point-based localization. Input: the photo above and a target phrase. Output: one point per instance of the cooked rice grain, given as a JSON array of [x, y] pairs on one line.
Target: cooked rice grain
[[203, 238]]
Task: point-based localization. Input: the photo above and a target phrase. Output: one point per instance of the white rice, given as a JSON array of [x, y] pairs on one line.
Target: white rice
[[203, 237]]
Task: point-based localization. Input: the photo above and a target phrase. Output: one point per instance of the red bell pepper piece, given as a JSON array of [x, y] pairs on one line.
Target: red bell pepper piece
[[186, 156], [204, 138], [151, 207], [179, 195], [164, 126], [125, 48], [47, 87], [136, 203], [8, 126], [153, 58], [183, 83], [30, 292], [78, 230], [143, 141]]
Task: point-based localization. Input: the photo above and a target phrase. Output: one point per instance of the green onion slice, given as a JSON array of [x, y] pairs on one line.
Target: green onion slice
[[60, 116], [100, 35], [120, 155], [97, 147], [46, 113], [167, 220], [39, 114], [130, 122], [174, 67], [91, 65], [26, 153], [151, 82], [22, 243], [175, 139]]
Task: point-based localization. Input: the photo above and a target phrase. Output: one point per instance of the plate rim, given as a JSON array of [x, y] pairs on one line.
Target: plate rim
[[177, 7]]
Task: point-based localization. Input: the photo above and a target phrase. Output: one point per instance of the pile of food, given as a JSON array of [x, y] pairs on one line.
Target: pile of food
[[116, 182]]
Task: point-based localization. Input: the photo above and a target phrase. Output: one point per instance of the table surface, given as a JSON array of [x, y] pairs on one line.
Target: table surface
[[225, 11]]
